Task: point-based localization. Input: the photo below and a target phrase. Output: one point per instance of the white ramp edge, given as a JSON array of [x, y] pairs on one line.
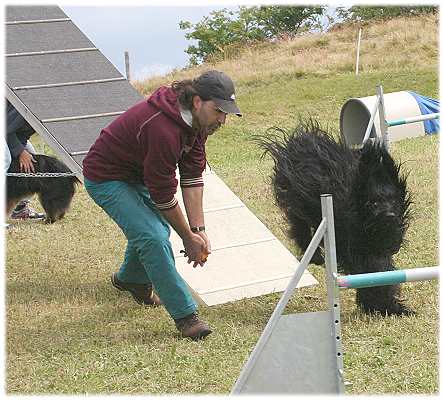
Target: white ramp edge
[[247, 260]]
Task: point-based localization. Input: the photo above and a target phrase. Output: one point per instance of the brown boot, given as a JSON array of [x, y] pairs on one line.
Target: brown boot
[[143, 294], [192, 327]]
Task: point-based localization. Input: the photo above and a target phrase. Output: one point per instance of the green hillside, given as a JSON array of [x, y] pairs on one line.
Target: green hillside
[[69, 333]]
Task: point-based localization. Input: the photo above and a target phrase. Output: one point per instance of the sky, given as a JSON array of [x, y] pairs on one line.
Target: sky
[[150, 34]]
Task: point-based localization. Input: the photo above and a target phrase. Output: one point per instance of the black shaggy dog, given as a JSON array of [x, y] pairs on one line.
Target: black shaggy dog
[[370, 200], [55, 194]]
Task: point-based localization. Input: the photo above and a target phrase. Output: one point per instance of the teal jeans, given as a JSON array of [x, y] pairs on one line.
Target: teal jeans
[[149, 256]]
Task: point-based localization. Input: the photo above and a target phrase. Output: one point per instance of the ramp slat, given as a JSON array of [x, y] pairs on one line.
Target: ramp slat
[[28, 13], [68, 101], [45, 37], [242, 272], [65, 67], [76, 135]]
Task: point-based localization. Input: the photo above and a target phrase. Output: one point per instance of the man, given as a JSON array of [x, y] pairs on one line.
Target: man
[[130, 171], [18, 132]]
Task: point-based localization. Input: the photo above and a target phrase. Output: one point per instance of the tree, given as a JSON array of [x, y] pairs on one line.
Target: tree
[[278, 20], [222, 29], [357, 13]]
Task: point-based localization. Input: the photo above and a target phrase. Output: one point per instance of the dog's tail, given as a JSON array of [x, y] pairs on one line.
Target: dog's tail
[[307, 163]]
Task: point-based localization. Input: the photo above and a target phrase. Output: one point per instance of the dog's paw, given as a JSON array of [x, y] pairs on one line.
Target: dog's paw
[[393, 309], [402, 309]]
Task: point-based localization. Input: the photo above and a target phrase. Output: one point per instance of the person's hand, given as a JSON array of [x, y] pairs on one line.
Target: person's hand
[[204, 236], [195, 249], [26, 161]]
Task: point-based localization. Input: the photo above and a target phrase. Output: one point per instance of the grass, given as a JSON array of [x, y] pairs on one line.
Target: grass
[[69, 332]]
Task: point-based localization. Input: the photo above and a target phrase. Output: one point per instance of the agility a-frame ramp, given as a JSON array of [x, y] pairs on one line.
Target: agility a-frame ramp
[[302, 353], [60, 82], [68, 91]]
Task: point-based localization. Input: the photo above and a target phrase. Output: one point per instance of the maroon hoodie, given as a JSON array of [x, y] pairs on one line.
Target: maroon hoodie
[[145, 145]]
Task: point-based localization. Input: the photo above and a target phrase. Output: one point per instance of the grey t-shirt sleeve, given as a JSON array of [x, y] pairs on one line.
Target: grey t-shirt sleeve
[[14, 123]]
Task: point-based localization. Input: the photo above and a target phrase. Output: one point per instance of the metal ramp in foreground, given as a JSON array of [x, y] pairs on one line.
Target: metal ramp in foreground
[[68, 91], [301, 353]]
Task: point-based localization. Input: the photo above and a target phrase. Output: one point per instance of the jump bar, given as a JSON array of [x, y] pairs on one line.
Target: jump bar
[[387, 278], [410, 120]]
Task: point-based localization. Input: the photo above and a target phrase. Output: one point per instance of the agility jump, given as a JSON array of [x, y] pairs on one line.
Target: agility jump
[[314, 364]]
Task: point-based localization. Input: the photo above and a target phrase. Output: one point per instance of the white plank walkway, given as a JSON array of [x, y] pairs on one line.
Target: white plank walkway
[[247, 260]]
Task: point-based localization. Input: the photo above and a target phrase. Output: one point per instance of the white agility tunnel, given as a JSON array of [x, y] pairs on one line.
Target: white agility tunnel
[[356, 112], [68, 91]]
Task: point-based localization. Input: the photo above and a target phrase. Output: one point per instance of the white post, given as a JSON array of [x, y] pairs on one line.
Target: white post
[[127, 66], [371, 121], [358, 50], [382, 117], [332, 289]]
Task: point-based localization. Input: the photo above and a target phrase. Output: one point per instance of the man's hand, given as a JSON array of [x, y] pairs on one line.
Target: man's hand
[[204, 236], [195, 248], [26, 161]]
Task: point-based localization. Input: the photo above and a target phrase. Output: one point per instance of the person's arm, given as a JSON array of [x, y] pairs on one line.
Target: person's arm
[[191, 166], [15, 123], [194, 245], [161, 143], [192, 199]]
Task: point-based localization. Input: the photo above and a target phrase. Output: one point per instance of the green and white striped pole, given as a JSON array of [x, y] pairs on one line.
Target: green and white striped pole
[[387, 278], [410, 120]]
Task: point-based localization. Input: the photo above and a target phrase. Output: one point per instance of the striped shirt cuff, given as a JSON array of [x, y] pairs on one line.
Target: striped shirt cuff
[[167, 206], [184, 182]]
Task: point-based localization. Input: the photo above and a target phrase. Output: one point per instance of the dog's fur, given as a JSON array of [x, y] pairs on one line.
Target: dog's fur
[[55, 194], [370, 199]]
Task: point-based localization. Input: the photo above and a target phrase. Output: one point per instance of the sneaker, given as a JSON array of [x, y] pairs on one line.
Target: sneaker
[[143, 294], [27, 213], [192, 327]]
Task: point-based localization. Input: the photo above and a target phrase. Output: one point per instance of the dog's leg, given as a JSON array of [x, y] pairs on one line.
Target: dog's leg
[[383, 299], [301, 232]]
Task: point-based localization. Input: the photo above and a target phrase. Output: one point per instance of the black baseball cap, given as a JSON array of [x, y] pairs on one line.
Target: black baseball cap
[[217, 86]]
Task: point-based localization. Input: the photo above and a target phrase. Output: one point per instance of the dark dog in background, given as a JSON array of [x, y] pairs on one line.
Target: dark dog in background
[[55, 194], [370, 200]]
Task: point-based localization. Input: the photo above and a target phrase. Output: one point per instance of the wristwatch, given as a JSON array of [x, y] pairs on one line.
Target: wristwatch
[[196, 229]]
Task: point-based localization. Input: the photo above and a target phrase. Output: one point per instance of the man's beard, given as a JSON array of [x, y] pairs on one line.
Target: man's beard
[[205, 131], [212, 128]]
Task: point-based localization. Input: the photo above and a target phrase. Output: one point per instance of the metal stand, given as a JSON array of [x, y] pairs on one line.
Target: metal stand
[[301, 353]]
